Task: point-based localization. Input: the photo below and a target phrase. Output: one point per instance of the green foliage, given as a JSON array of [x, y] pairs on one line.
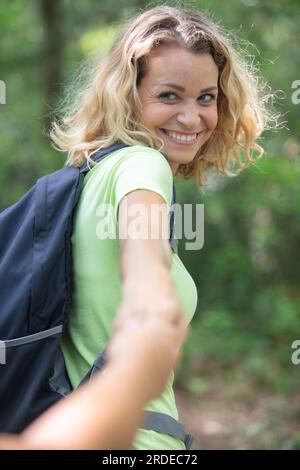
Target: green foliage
[[248, 275]]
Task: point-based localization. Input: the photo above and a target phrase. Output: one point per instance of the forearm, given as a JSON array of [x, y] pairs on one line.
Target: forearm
[[120, 394]]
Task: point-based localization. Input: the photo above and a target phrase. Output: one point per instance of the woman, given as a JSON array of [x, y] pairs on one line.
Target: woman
[[174, 90]]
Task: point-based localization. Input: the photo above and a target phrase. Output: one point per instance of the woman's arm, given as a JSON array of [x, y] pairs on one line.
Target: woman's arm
[[145, 262]]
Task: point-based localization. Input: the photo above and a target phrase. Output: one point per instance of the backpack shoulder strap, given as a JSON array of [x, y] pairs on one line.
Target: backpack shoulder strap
[[97, 156]]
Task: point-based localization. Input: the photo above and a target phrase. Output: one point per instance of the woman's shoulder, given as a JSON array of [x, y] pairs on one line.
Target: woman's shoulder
[[137, 158], [141, 167], [144, 152]]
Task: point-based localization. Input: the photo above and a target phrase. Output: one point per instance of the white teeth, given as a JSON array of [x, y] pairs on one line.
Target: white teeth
[[181, 137]]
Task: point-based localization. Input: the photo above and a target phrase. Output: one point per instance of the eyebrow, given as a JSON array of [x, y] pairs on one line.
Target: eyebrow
[[181, 88]]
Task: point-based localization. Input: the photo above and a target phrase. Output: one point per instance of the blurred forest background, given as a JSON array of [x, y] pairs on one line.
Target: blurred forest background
[[237, 387]]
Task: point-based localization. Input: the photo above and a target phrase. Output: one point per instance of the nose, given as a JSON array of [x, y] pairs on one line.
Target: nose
[[190, 117]]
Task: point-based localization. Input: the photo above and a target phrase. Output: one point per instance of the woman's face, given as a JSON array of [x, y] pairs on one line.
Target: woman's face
[[179, 101]]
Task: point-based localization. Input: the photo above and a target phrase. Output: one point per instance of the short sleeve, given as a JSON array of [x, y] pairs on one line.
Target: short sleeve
[[144, 168]]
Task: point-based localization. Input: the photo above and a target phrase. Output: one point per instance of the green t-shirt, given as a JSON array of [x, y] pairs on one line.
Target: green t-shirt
[[97, 281]]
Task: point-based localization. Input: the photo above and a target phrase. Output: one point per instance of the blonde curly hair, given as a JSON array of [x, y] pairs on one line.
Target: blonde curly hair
[[106, 110]]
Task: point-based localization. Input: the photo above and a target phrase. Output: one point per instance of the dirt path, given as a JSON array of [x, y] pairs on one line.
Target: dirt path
[[258, 422]]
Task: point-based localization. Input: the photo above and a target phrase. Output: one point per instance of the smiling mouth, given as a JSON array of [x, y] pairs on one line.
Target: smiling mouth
[[180, 140]]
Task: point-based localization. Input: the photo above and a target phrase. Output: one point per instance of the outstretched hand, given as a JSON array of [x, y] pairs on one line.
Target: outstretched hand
[[153, 342]]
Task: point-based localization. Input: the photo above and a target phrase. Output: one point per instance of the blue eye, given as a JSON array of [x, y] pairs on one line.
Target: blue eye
[[211, 98], [167, 93]]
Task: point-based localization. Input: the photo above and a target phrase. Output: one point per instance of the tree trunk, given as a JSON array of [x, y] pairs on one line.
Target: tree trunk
[[52, 54]]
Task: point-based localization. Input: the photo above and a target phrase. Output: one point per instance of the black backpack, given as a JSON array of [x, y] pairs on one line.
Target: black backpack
[[36, 297]]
